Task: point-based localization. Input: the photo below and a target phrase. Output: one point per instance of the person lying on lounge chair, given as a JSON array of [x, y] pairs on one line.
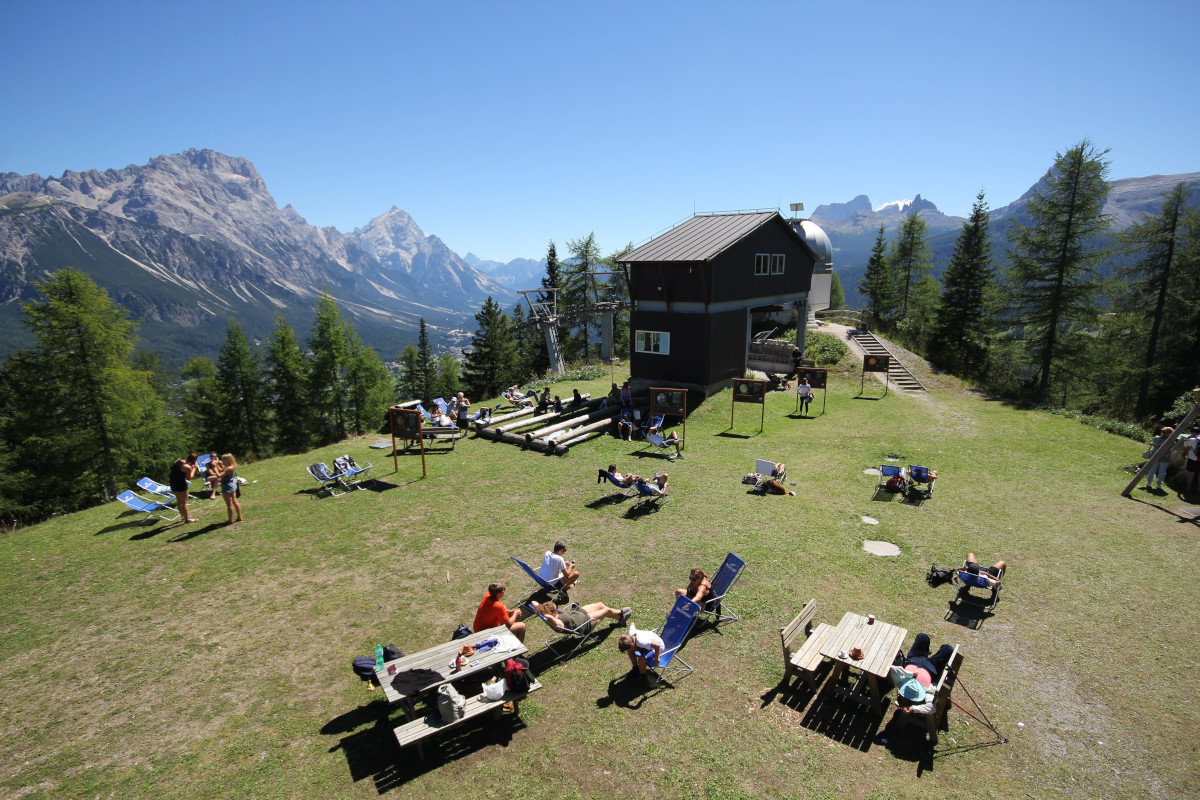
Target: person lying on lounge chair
[[658, 485], [572, 617], [624, 480], [514, 396], [698, 586], [992, 572]]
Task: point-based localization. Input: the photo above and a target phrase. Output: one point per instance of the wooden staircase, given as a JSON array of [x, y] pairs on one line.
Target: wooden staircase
[[898, 374]]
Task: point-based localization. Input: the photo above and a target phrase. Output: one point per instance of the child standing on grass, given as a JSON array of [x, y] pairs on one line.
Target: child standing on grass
[[229, 486]]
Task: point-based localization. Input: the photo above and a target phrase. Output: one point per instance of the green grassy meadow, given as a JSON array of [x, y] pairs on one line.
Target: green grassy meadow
[[202, 661]]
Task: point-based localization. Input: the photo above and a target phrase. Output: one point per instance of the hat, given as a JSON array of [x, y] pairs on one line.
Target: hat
[[912, 690]]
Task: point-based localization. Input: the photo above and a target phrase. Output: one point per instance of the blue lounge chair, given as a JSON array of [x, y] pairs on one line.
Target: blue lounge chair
[[152, 508], [442, 406], [919, 476], [428, 417], [651, 422], [628, 491], [886, 473], [349, 473], [726, 577], [327, 478], [540, 586], [157, 490], [674, 633], [983, 581], [648, 494], [561, 634]]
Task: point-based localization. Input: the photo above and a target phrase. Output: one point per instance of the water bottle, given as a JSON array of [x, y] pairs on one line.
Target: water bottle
[[378, 657]]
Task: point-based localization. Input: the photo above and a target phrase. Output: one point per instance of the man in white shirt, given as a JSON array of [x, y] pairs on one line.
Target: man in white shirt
[[644, 649], [556, 570]]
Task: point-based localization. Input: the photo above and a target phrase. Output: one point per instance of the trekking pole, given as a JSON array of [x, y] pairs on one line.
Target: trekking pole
[[985, 721]]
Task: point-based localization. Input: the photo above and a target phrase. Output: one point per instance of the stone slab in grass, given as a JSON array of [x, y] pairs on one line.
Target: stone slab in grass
[[881, 548], [869, 520], [871, 471]]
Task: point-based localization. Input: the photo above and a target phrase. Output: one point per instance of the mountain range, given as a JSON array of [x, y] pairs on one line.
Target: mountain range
[[189, 241]]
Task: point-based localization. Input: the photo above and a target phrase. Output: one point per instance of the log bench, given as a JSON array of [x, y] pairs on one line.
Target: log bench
[[807, 658], [417, 730]]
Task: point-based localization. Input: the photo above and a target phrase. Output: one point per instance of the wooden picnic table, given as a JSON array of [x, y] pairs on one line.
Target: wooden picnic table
[[880, 642], [438, 660]]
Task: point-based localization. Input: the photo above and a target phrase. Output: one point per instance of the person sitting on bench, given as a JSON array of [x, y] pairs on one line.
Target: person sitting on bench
[[543, 403], [492, 613], [644, 649], [698, 586], [993, 572], [625, 425], [572, 618], [556, 570], [923, 671], [624, 480]]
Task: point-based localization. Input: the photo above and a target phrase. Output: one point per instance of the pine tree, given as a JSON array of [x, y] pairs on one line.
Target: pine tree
[[910, 259], [368, 384], [837, 295], [1158, 295], [878, 284], [199, 406], [409, 381], [243, 423], [963, 325], [577, 295], [326, 375], [78, 420], [287, 383], [1054, 260], [448, 376], [491, 364], [426, 368]]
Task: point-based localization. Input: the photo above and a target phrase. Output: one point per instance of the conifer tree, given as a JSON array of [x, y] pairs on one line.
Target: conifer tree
[[287, 383], [1054, 259], [426, 368], [909, 259], [491, 364], [577, 295], [199, 404], [963, 325], [1158, 295], [837, 295], [878, 284], [409, 380], [242, 424], [448, 376], [327, 371], [368, 384]]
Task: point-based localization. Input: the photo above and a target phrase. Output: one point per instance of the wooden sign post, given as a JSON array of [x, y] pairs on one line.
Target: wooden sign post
[[875, 364], [817, 379], [672, 402], [406, 424], [747, 390]]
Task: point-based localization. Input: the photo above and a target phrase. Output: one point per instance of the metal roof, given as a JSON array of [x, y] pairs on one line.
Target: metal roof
[[701, 238]]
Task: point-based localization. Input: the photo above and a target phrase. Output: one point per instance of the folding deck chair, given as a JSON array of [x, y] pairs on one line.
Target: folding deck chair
[[647, 494], [579, 635], [152, 508], [984, 581], [628, 491], [442, 406], [886, 473], [674, 633], [651, 422], [919, 476], [726, 577], [350, 474], [428, 417], [327, 478], [540, 586], [157, 490]]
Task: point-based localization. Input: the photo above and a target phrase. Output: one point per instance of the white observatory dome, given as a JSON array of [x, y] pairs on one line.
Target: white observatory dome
[[818, 241]]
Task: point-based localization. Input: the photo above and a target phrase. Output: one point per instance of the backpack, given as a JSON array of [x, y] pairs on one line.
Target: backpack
[[451, 705], [391, 652], [937, 577], [894, 484], [461, 632], [364, 668], [517, 676]]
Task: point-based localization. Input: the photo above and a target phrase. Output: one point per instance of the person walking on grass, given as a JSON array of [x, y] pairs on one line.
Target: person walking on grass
[[229, 488]]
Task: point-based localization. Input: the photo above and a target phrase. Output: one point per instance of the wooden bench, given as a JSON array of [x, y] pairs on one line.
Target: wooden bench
[[807, 658], [416, 731], [451, 434], [932, 720]]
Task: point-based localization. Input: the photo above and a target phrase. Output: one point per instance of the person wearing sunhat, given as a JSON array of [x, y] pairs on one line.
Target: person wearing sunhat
[[920, 671]]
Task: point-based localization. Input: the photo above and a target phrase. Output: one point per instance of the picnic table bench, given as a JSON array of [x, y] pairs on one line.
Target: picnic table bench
[[448, 433], [807, 658], [880, 643], [417, 730]]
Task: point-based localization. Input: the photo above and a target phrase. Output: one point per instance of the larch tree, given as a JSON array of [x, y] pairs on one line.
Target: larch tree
[[963, 325], [1052, 277], [492, 363], [244, 418], [910, 260], [407, 385], [577, 295], [426, 366], [327, 371], [368, 384], [878, 283], [287, 384]]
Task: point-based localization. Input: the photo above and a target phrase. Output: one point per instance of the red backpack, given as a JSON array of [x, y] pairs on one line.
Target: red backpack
[[517, 676]]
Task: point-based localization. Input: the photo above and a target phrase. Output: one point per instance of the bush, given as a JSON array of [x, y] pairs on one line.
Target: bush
[[824, 348], [1126, 429]]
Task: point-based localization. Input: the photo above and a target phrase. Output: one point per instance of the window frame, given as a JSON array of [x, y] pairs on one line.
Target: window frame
[[659, 339], [762, 264], [778, 260]]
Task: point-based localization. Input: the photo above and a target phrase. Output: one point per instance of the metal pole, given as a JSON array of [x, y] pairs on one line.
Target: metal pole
[[1165, 447]]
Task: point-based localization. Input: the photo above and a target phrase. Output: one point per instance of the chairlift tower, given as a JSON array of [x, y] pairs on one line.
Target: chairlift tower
[[544, 316]]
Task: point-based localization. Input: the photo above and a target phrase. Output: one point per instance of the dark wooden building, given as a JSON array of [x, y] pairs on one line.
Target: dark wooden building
[[694, 290]]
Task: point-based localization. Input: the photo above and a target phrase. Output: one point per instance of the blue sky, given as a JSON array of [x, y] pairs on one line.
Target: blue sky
[[502, 125]]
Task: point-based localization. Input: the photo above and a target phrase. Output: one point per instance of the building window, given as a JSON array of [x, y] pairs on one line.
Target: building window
[[777, 264], [653, 342], [762, 263]]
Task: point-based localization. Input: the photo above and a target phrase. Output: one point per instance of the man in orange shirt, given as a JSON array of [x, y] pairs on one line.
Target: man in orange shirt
[[492, 613]]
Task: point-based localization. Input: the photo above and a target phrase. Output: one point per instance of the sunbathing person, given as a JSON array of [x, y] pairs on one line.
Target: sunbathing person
[[656, 486], [774, 486], [574, 616], [698, 588], [674, 441], [992, 572], [624, 480], [442, 420], [556, 570], [920, 672], [644, 648], [514, 396], [492, 612]]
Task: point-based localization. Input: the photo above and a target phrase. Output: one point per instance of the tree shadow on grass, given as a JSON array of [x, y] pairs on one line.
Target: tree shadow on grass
[[372, 752]]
